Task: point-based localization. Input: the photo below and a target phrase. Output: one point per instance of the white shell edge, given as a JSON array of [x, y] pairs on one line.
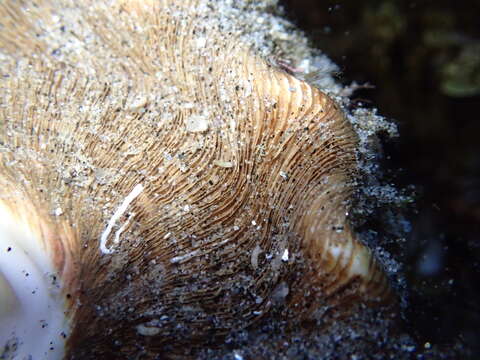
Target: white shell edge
[[32, 320]]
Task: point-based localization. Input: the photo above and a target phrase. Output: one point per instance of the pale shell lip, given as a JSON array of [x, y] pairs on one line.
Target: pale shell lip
[[32, 313]]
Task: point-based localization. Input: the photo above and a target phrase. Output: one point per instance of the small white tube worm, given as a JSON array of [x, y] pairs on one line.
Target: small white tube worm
[[116, 216]]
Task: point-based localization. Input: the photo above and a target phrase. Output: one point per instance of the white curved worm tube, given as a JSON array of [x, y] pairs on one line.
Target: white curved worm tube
[[117, 215]]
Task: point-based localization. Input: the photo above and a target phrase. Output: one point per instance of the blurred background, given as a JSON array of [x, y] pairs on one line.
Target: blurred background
[[422, 59]]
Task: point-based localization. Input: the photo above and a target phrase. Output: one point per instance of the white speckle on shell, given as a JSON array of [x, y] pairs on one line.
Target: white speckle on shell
[[284, 175], [223, 164], [181, 258], [138, 103], [237, 355], [201, 42], [146, 330], [196, 123], [254, 257]]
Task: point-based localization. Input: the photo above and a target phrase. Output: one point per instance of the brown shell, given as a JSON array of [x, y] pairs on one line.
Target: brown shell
[[246, 173]]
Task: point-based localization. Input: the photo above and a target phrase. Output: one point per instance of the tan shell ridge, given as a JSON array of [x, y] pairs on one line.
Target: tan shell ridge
[[242, 171]]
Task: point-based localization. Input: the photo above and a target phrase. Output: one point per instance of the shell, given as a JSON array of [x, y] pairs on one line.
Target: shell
[[173, 183]]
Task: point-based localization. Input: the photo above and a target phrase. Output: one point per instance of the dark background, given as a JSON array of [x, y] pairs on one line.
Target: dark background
[[423, 58]]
